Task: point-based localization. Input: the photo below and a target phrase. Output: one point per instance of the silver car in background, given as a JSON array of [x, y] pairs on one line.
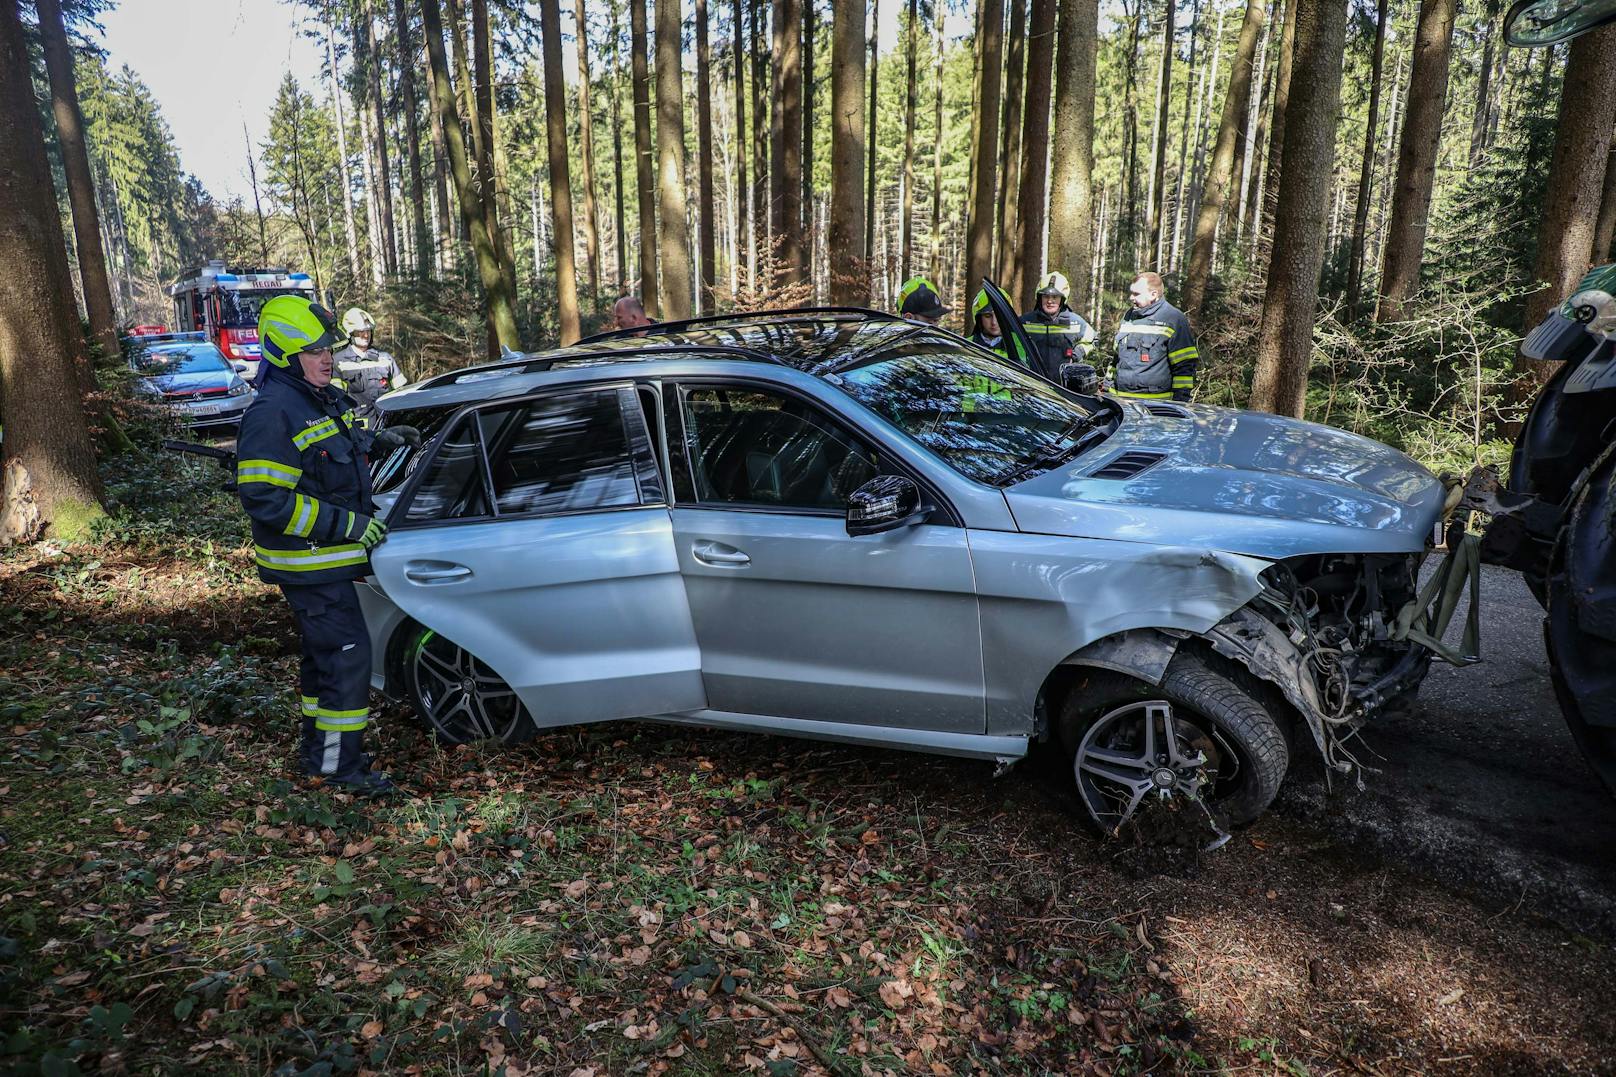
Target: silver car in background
[[839, 525], [186, 372]]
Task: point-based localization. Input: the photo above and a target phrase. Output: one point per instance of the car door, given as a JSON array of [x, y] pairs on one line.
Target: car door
[[795, 618], [537, 536]]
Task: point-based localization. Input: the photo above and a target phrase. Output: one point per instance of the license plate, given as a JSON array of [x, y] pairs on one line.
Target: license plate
[[204, 409]]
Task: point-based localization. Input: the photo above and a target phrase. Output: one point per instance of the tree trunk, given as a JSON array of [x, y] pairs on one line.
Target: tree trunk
[[48, 479], [1249, 140], [1484, 80], [805, 205], [907, 257], [586, 153], [1565, 239], [1034, 211], [1130, 131], [621, 258], [1008, 275], [555, 116], [743, 188], [412, 137], [760, 143], [1158, 147], [80, 187], [849, 273], [674, 249], [979, 229], [704, 158], [1366, 171], [488, 164], [1416, 160], [501, 304], [1268, 184], [1236, 104], [645, 186], [872, 133], [1605, 227], [447, 256], [937, 157], [1071, 210], [333, 82], [785, 196], [370, 72], [1290, 305], [1170, 245]]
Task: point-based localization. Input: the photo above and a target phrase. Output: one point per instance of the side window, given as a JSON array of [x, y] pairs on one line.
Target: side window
[[756, 448], [577, 452]]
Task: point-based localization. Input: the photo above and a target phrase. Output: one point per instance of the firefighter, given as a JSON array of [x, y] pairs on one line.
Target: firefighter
[[302, 476], [1156, 356], [1059, 334], [365, 373], [919, 302], [985, 326]]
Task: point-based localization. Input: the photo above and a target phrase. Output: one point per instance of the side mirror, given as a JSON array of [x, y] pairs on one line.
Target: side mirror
[[1080, 378], [885, 503]]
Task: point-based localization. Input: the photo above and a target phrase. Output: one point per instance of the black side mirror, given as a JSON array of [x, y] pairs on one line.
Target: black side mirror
[[885, 503], [1080, 378]]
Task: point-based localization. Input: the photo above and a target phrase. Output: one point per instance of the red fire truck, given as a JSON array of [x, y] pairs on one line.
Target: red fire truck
[[224, 301]]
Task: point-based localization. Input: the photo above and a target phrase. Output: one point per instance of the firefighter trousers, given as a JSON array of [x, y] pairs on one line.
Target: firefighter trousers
[[334, 679]]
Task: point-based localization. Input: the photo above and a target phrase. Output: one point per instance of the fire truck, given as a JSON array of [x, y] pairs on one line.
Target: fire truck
[[224, 301]]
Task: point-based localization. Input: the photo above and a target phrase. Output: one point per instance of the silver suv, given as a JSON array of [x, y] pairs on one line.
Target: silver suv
[[839, 525]]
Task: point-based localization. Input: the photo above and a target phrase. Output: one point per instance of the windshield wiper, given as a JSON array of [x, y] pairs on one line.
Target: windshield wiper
[[1053, 454]]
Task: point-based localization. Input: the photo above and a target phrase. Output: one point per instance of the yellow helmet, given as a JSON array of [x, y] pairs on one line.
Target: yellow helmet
[[1055, 284], [920, 297], [289, 324], [979, 304]]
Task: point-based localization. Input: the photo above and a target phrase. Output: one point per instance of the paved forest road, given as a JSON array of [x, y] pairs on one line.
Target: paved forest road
[[1480, 783]]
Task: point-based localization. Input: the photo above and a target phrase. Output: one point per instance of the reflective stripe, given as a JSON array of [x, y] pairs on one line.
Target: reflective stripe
[[1064, 330], [343, 721], [333, 753], [267, 471], [1182, 352], [304, 512], [347, 528], [318, 432], [311, 560], [1147, 330], [1142, 396], [1183, 381], [309, 703]]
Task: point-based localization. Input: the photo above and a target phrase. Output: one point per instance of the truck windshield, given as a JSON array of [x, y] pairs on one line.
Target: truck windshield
[[239, 309], [988, 420]]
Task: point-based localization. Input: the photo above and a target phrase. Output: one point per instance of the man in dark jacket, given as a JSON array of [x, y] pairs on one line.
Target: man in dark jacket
[[1059, 335], [1156, 354], [303, 478]]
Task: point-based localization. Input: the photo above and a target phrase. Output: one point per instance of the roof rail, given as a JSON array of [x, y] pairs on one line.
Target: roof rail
[[539, 364], [736, 316]]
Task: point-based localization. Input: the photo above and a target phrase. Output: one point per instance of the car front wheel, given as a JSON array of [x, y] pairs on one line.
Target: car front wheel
[[1197, 737], [459, 696]]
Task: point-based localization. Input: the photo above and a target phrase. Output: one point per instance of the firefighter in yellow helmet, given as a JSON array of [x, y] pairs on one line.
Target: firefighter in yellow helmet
[[919, 301], [302, 476], [1059, 334]]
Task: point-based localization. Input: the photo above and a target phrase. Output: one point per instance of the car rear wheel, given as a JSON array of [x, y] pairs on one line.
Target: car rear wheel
[[1197, 737], [459, 697]]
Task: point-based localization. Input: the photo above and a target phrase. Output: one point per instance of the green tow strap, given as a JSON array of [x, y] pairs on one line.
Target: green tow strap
[[1425, 620]]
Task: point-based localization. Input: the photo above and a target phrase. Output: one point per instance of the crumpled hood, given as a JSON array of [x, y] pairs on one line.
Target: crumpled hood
[[1242, 481]]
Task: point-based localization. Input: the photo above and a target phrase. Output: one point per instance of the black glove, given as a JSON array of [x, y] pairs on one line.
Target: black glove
[[394, 437]]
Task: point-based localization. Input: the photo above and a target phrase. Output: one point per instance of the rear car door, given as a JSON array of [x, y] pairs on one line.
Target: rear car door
[[795, 617], [537, 536]]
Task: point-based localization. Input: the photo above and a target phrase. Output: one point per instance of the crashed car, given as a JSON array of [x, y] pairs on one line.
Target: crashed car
[[191, 378], [840, 525]]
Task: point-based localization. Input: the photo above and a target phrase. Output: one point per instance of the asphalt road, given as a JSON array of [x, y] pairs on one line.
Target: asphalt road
[[1479, 782]]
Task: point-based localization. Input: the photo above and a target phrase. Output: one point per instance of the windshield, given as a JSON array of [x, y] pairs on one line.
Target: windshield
[[239, 310], [988, 420], [186, 359]]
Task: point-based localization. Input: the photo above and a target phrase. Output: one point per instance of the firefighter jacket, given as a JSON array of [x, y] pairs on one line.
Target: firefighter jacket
[[997, 345], [1156, 356], [367, 375], [303, 477], [1063, 338]]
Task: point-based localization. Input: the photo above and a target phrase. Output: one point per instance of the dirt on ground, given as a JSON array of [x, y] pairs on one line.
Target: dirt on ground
[[638, 898]]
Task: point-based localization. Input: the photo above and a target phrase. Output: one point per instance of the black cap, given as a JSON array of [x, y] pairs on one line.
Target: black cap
[[923, 303]]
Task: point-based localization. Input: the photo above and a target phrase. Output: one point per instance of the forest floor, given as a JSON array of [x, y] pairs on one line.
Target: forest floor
[[646, 899]]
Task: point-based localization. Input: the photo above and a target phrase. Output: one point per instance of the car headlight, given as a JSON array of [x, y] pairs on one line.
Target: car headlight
[[239, 388]]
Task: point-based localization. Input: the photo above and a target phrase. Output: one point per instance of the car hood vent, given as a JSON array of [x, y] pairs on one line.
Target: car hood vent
[[1167, 411], [1129, 464]]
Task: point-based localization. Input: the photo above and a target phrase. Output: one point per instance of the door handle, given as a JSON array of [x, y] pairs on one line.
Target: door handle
[[717, 553], [435, 572]]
